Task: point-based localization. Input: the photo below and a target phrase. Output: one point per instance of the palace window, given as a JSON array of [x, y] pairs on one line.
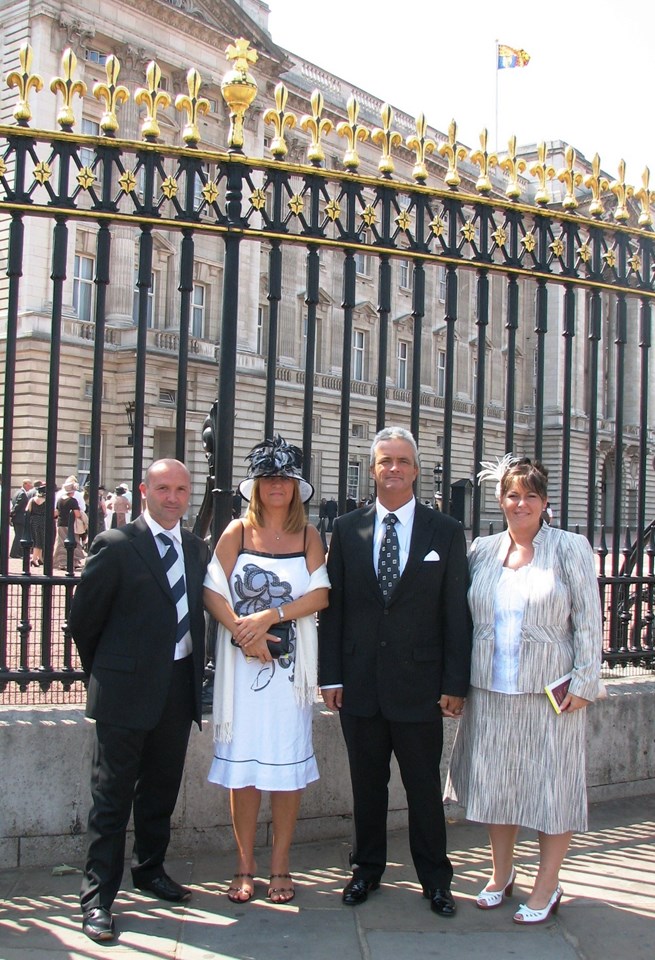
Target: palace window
[[151, 300], [359, 355], [403, 351], [83, 287], [198, 310], [441, 373]]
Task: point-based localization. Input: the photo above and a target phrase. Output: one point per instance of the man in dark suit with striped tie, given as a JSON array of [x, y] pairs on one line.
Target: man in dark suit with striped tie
[[138, 621], [394, 654]]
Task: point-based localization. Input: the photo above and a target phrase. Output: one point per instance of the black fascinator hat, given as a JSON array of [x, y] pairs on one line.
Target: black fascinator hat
[[275, 458]]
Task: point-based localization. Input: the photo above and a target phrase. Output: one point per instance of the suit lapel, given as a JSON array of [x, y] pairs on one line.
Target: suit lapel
[[418, 548], [365, 528], [145, 546]]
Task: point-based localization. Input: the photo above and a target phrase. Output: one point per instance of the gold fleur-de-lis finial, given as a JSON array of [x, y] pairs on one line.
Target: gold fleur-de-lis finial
[[387, 139], [26, 82], [570, 178], [422, 145], [194, 105], [485, 161], [598, 186], [543, 172], [353, 132], [280, 119], [68, 87], [239, 89], [512, 167], [622, 191], [645, 196], [153, 99], [112, 94], [453, 152], [317, 126]]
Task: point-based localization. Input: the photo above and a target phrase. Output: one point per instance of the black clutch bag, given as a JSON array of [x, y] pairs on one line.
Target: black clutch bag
[[282, 644]]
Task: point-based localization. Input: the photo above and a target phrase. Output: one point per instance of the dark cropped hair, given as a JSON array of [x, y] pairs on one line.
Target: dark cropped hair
[[527, 475]]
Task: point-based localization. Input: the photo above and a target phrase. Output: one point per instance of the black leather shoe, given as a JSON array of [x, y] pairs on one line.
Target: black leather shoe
[[166, 889], [98, 924], [357, 890], [441, 901]]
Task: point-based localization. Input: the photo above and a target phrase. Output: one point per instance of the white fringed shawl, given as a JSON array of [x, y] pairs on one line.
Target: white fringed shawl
[[306, 666]]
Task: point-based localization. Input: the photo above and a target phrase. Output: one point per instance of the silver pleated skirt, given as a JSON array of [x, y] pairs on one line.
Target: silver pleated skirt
[[515, 761]]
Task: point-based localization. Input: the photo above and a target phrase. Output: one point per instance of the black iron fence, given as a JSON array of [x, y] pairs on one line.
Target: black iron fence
[[527, 324]]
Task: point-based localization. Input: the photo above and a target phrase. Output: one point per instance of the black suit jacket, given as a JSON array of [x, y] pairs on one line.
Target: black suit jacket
[[123, 620], [400, 657]]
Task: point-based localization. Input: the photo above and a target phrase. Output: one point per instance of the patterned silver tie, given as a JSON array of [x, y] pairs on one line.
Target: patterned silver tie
[[174, 568], [389, 561]]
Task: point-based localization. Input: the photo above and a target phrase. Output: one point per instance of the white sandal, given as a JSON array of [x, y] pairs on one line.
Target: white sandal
[[526, 914], [490, 899]]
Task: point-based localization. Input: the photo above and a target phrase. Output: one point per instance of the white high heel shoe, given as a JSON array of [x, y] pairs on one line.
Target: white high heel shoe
[[490, 899], [526, 914]]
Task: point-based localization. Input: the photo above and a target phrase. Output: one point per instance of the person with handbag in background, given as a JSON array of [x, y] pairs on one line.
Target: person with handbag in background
[[264, 586]]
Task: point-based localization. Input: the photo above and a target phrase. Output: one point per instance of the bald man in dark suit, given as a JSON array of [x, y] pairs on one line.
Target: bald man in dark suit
[[138, 621]]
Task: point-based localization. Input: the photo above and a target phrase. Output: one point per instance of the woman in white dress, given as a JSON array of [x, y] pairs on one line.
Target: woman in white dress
[[268, 573], [536, 616]]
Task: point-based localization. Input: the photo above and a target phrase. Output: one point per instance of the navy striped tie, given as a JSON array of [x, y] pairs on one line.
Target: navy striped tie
[[174, 568]]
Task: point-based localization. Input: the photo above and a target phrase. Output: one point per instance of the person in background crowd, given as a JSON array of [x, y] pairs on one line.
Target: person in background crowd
[[17, 517], [331, 510], [101, 522], [66, 505], [517, 762], [36, 516], [120, 506], [322, 522], [394, 647], [71, 484], [138, 622]]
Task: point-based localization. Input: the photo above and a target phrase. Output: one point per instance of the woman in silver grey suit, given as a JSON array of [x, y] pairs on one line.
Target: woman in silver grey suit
[[536, 616]]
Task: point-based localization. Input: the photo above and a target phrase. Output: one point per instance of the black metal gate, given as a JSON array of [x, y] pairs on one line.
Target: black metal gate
[[560, 292]]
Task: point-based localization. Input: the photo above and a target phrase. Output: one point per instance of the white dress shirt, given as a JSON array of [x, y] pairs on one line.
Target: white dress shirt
[[184, 646], [405, 515]]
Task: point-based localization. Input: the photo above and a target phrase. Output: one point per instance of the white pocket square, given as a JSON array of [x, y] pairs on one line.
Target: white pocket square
[[431, 557]]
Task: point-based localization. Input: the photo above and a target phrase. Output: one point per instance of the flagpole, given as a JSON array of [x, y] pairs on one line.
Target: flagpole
[[497, 72]]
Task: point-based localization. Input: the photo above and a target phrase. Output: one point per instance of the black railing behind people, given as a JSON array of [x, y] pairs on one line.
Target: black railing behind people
[[535, 292]]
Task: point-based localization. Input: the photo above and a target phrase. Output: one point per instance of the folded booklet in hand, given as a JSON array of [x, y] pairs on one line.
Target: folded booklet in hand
[[557, 691]]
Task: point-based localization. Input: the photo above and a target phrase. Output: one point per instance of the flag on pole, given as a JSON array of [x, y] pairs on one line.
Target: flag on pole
[[509, 57]]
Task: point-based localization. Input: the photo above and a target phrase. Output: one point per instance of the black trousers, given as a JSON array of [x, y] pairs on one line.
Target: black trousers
[[139, 770], [370, 741]]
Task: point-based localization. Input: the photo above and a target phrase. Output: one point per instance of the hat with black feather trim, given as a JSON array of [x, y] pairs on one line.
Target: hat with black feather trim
[[275, 458]]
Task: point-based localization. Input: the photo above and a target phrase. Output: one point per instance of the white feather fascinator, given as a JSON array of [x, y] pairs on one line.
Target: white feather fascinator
[[496, 470]]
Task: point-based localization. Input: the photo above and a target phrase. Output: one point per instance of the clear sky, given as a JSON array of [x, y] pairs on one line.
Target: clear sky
[[590, 80]]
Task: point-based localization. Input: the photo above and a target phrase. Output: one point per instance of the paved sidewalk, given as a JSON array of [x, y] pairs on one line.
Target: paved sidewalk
[[608, 908]]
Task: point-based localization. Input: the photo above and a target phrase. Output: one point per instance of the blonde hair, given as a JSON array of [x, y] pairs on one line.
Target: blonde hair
[[296, 520]]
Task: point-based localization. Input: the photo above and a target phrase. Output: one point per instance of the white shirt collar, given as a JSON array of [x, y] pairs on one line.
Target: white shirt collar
[[155, 528], [405, 513]]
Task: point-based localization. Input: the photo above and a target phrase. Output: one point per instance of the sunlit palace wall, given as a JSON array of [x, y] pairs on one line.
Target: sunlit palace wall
[[178, 35]]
